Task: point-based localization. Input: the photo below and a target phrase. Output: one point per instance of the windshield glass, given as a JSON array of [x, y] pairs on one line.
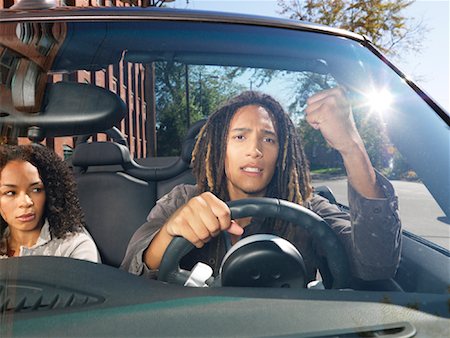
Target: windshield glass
[[162, 166], [173, 74]]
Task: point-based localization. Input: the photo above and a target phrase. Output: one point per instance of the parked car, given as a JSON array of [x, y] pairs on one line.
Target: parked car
[[147, 78]]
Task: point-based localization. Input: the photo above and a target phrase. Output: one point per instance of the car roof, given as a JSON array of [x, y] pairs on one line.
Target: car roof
[[156, 13]]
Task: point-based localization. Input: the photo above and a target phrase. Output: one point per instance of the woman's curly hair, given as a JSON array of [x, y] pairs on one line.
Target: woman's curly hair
[[291, 179], [62, 207]]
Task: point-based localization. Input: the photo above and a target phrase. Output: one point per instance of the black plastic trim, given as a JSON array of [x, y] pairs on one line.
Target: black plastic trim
[[433, 105]]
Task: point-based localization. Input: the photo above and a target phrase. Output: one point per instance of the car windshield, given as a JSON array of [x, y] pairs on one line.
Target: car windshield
[[196, 66], [166, 76]]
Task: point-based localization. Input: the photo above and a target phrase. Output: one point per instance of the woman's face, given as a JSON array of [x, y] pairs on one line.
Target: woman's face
[[22, 196]]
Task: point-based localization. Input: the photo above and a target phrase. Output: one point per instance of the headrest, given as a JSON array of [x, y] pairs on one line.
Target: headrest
[[100, 153], [113, 133], [113, 153], [189, 141]]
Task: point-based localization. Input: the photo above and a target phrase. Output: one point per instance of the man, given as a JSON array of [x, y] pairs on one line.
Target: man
[[249, 148]]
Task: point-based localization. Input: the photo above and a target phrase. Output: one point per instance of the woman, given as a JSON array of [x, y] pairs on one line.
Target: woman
[[39, 209]]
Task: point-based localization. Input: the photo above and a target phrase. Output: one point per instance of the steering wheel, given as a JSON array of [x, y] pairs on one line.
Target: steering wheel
[[170, 271]]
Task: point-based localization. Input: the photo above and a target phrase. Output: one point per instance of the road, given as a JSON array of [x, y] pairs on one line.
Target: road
[[419, 212]]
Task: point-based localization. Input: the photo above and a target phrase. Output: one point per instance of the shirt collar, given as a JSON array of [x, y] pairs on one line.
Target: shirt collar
[[44, 236]]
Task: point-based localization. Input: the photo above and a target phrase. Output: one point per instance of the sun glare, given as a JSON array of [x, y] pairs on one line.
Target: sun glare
[[379, 100]]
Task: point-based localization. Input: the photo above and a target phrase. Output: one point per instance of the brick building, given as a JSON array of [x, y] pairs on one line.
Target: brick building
[[127, 80]]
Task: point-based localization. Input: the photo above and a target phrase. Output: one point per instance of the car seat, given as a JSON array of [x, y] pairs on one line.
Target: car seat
[[116, 193], [115, 203], [185, 176]]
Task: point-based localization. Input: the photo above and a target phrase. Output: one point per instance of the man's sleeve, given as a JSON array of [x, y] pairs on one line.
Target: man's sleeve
[[376, 234], [371, 234], [139, 242]]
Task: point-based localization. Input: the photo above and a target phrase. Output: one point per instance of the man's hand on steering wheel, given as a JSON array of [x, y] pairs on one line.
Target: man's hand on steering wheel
[[202, 218], [273, 208]]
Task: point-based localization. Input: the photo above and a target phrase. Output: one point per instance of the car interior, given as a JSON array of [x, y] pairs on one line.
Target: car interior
[[123, 184], [109, 178], [115, 180]]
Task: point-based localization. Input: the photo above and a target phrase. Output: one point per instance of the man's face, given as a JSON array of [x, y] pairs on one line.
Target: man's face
[[252, 152]]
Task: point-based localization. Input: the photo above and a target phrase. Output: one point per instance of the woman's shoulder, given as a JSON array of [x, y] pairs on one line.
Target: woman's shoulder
[[81, 245], [78, 236]]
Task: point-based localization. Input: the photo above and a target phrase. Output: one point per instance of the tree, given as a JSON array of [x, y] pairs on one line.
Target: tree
[[207, 88], [321, 155], [382, 21]]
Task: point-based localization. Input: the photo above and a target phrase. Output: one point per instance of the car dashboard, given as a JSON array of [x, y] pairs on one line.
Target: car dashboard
[[78, 298]]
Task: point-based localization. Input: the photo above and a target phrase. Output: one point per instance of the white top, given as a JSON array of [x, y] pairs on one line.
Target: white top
[[79, 245]]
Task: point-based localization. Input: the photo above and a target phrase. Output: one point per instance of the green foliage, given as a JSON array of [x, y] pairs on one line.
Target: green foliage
[[399, 168], [374, 136], [170, 106], [382, 21], [307, 84], [321, 155], [327, 171], [208, 88], [317, 150]]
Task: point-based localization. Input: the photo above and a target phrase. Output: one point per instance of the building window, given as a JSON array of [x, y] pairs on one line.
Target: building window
[[8, 61], [8, 3]]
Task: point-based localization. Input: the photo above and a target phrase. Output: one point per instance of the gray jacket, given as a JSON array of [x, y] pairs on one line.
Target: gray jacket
[[371, 234], [79, 245]]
